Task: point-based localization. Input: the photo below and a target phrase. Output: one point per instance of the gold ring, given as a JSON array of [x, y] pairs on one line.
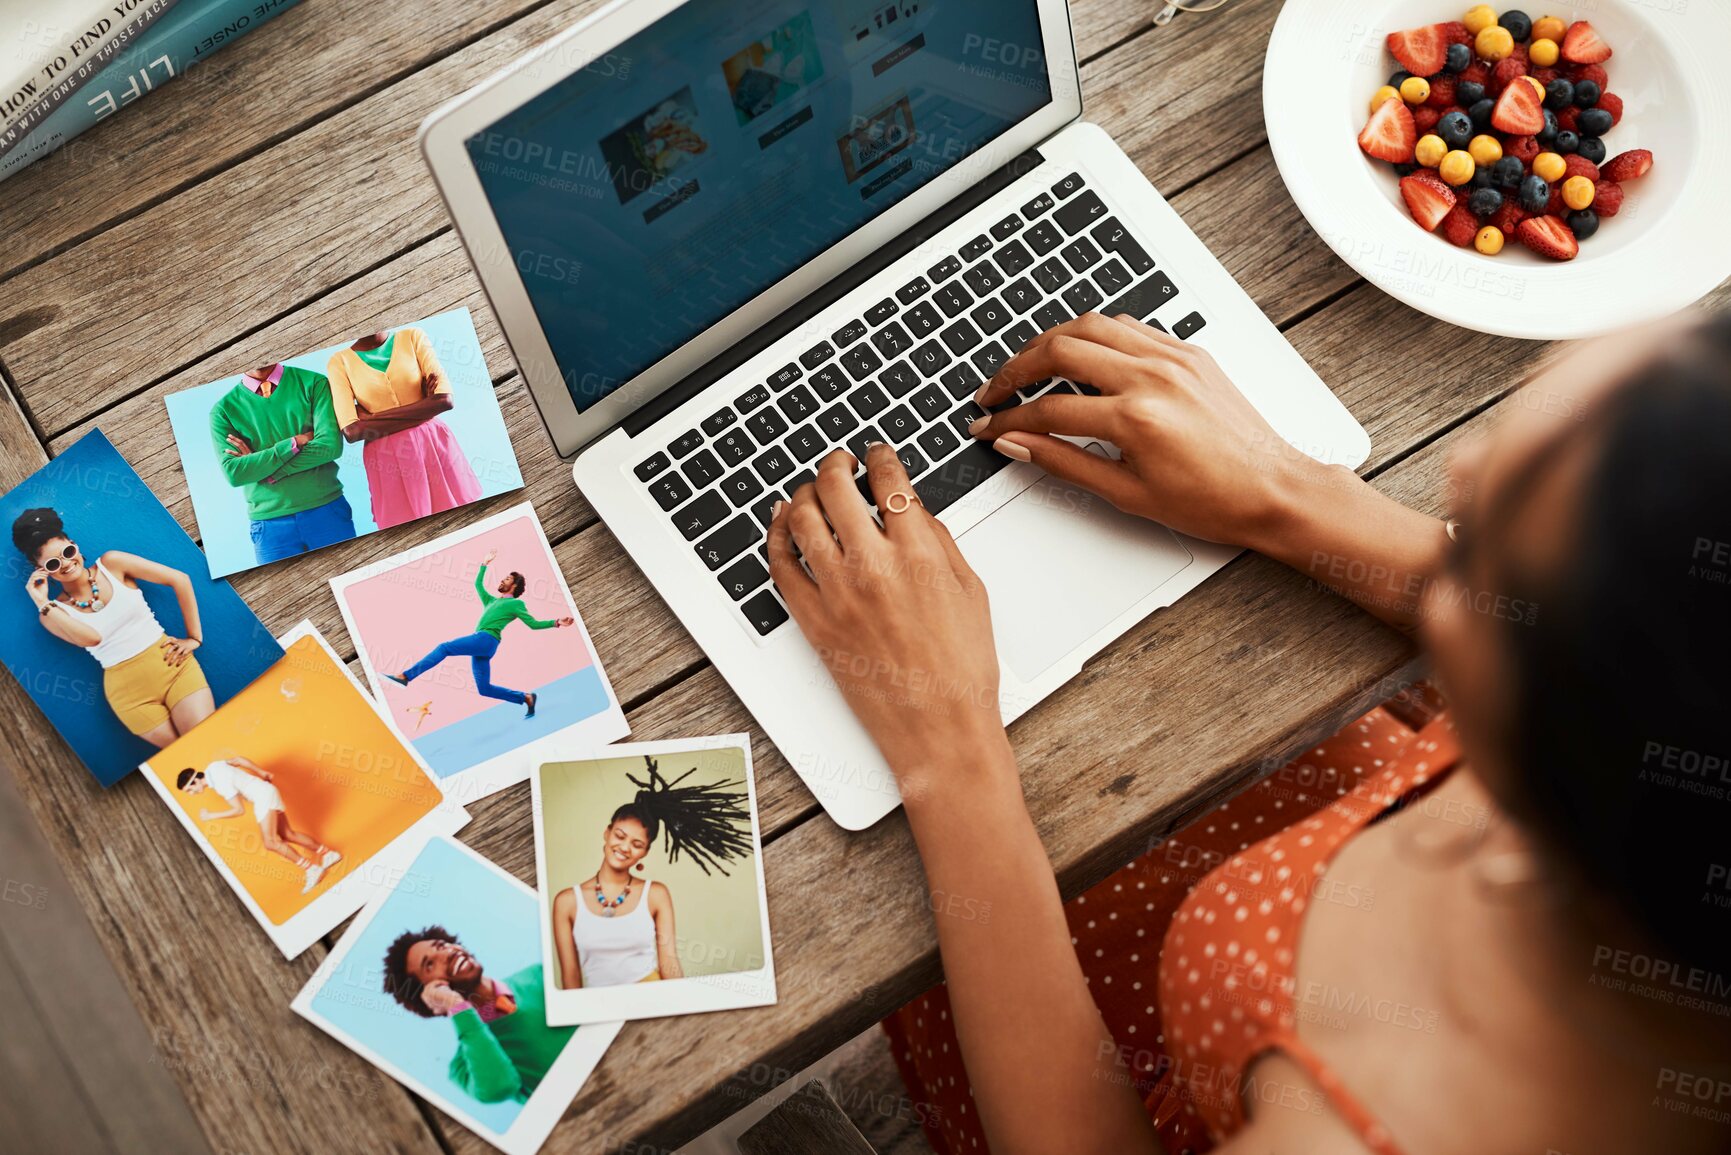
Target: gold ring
[[906, 502]]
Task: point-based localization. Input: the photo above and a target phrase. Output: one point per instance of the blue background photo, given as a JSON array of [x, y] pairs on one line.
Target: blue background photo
[[106, 506]]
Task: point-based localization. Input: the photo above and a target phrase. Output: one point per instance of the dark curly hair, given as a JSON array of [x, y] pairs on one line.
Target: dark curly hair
[[399, 983], [517, 579], [35, 528]]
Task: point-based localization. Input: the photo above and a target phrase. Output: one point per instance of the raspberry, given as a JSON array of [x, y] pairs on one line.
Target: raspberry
[[1460, 228], [1608, 200], [1577, 165], [1522, 148], [1442, 92], [1569, 120], [1509, 217], [1505, 72], [1594, 72], [1613, 104], [1425, 118]]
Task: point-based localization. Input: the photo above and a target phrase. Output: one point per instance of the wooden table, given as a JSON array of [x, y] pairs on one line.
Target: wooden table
[[275, 201]]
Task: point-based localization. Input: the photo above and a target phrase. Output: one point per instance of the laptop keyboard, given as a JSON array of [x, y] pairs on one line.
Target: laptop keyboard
[[905, 373]]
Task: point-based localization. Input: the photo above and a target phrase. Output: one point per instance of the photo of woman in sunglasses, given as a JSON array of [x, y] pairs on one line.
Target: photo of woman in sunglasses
[[152, 681]]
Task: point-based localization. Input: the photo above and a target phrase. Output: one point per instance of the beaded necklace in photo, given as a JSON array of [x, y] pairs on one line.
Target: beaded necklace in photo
[[610, 906]]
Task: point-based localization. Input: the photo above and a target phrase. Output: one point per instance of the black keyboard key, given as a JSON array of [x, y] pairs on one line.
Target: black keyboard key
[[752, 398], [817, 355], [1112, 277], [1188, 327], [837, 422], [1141, 301], [1112, 236], [849, 333], [1082, 297], [913, 460], [860, 362], [1013, 258], [983, 278], [784, 376], [924, 319], [1081, 213], [803, 477], [773, 465], [741, 487], [734, 447], [913, 290], [1007, 228], [1015, 399], [953, 298], [962, 381], [1069, 186], [1019, 335], [899, 379], [702, 515], [931, 358], [1038, 206], [863, 440], [964, 417], [828, 383], [961, 337], [648, 469], [766, 425], [976, 248], [729, 541], [892, 340], [1053, 275], [716, 422], [990, 359], [1051, 315], [806, 443], [939, 441], [764, 508], [863, 483], [1082, 255], [959, 476], [799, 404], [1021, 296], [899, 424], [868, 401], [701, 468], [670, 491], [944, 269], [743, 576], [765, 613], [881, 312], [1044, 237], [930, 403], [991, 316], [687, 443]]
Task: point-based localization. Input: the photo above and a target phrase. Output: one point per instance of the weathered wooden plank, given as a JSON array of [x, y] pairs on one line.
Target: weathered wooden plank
[[810, 1120]]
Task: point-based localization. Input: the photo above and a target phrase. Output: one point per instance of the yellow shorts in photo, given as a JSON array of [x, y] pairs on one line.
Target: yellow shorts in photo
[[142, 690]]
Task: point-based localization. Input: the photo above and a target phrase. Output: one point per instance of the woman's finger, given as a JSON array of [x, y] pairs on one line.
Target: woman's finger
[[784, 568], [1066, 413], [889, 478], [1061, 355], [812, 533], [1071, 463], [841, 502]]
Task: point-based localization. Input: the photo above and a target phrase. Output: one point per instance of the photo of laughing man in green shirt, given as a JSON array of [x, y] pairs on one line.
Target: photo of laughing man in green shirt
[[276, 437]]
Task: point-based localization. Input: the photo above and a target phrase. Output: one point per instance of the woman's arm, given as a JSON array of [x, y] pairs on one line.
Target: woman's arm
[[564, 925], [433, 382], [371, 427], [660, 901], [129, 565], [56, 618]]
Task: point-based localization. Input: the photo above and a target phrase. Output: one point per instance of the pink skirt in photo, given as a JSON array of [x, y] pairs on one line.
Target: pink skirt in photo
[[418, 471]]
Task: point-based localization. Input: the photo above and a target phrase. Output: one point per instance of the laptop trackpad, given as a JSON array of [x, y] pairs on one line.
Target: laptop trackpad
[[1060, 564]]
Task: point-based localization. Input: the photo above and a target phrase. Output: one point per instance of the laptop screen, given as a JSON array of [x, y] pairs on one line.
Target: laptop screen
[[664, 185]]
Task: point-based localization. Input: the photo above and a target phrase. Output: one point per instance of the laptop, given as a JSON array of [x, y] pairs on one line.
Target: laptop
[[724, 237]]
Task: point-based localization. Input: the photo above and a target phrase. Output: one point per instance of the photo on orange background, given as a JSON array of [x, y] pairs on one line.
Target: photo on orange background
[[301, 794]]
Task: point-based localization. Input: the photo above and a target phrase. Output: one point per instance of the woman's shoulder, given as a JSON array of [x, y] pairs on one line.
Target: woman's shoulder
[[565, 899], [658, 892]]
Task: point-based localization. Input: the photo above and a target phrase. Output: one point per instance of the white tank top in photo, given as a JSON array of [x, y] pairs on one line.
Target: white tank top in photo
[[617, 951], [124, 622]]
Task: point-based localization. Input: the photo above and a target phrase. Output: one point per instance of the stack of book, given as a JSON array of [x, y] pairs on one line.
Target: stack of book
[[65, 66]]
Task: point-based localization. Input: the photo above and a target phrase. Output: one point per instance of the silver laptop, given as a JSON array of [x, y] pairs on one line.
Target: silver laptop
[[726, 236]]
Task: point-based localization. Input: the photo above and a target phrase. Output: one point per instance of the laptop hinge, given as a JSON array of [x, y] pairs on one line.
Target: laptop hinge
[[765, 336]]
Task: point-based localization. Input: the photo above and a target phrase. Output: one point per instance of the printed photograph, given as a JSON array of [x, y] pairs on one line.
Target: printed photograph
[[876, 136], [773, 70], [301, 794], [652, 895], [439, 984], [377, 431], [473, 645], [645, 152], [113, 625]]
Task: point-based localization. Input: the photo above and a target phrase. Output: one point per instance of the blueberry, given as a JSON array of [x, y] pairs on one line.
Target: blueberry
[[1519, 24], [1456, 129], [1507, 173], [1559, 93], [1548, 134], [1567, 142], [1458, 58], [1535, 194], [1583, 224], [1595, 122], [1485, 202], [1480, 114], [1399, 77], [1593, 149], [1587, 94], [1482, 177], [1469, 92], [1405, 170]]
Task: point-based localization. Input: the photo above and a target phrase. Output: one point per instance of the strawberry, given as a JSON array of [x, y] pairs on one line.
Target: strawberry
[[1613, 104], [1390, 135], [1425, 118], [1509, 217], [1506, 72], [1569, 120], [1582, 44], [1460, 227], [1577, 165], [1523, 149], [1421, 51], [1519, 111], [1477, 73], [1549, 237], [1427, 198], [1631, 165], [1593, 72], [1608, 199], [1456, 33], [1442, 92]]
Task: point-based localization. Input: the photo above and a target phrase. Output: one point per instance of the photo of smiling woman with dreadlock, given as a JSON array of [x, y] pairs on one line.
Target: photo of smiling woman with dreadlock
[[622, 842]]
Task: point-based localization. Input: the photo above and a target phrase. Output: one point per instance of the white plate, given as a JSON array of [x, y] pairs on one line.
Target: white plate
[[1667, 248]]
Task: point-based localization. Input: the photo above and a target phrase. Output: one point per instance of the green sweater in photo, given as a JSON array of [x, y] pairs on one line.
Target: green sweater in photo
[[277, 480], [508, 1057], [501, 612]]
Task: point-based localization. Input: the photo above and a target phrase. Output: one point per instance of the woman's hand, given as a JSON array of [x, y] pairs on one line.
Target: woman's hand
[[177, 650], [429, 384], [37, 587], [1197, 456], [895, 614], [441, 999]]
